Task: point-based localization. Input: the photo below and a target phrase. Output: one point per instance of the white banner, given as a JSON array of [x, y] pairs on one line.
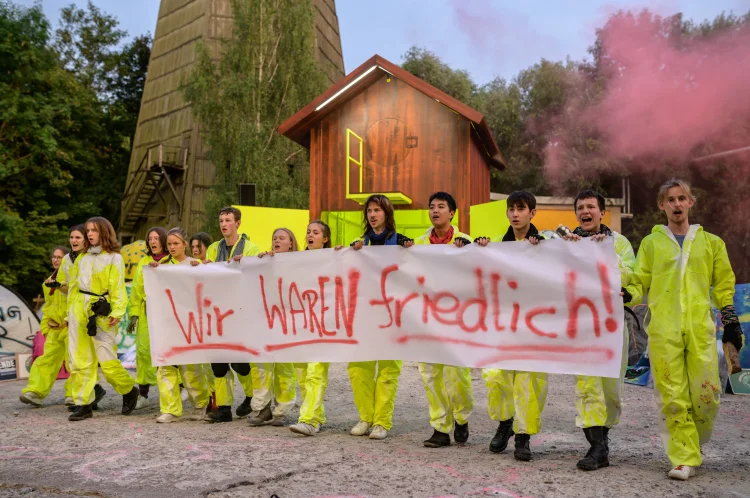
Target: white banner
[[555, 307]]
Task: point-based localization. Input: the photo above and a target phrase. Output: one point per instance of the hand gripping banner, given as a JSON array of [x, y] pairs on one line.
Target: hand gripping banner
[[554, 308]]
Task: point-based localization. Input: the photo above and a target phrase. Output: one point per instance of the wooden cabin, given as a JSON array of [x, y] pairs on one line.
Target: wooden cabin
[[383, 130]]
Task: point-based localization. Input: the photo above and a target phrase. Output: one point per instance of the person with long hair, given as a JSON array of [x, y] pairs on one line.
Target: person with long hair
[[54, 328], [314, 378], [168, 376], [199, 244], [375, 393], [145, 373], [274, 381], [98, 303], [77, 234]]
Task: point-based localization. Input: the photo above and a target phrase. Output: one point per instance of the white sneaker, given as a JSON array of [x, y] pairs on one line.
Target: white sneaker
[[304, 429], [166, 418], [360, 429], [141, 403], [378, 432], [682, 472], [197, 413], [31, 398]]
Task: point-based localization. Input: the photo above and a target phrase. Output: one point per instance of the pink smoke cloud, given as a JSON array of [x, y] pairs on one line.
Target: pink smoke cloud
[[668, 100], [665, 96]]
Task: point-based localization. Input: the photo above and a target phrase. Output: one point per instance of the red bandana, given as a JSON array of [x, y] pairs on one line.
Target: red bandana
[[446, 239]]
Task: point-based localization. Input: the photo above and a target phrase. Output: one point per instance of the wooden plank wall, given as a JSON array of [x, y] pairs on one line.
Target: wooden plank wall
[[384, 114], [165, 117], [479, 185]]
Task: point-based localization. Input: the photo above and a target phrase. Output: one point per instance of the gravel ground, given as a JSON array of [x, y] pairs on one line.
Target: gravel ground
[[114, 456]]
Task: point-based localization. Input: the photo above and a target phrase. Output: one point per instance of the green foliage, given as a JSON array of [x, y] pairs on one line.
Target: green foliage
[[85, 43], [427, 66], [266, 72], [65, 126]]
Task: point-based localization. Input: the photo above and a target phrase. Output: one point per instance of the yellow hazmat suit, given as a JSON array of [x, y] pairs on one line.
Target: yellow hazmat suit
[[682, 332], [54, 327], [193, 377], [312, 410], [448, 388], [96, 272], [374, 386], [515, 394], [599, 399], [145, 372], [225, 385], [375, 393], [273, 381]]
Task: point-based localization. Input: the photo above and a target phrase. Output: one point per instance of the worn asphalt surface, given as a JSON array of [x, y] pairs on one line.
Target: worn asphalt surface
[[43, 455]]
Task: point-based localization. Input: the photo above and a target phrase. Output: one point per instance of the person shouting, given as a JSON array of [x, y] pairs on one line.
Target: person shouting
[[145, 373], [274, 381], [232, 247], [168, 376], [599, 399], [314, 378]]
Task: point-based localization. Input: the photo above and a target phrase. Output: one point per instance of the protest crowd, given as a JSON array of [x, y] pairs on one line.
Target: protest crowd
[[680, 270]]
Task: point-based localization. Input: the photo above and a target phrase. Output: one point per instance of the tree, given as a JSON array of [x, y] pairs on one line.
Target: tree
[[265, 72], [85, 42], [87, 46], [39, 111], [427, 66], [64, 148]]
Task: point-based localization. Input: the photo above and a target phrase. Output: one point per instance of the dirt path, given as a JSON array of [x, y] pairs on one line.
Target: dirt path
[[42, 454]]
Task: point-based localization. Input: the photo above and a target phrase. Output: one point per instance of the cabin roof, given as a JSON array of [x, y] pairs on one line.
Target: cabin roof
[[298, 126]]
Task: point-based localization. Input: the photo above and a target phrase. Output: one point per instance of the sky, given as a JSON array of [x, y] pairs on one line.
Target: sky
[[487, 38]]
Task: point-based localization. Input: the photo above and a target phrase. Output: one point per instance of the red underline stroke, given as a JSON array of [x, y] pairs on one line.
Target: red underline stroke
[[276, 347], [559, 353], [198, 347]]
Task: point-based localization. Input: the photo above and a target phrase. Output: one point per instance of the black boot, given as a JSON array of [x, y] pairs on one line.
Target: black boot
[[244, 409], [502, 435], [81, 412], [222, 414], [522, 452], [129, 401], [438, 440], [598, 455], [605, 430], [461, 433], [99, 393]]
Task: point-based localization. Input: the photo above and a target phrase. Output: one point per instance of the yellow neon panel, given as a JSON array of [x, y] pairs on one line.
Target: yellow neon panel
[[258, 223], [350, 159], [394, 197]]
